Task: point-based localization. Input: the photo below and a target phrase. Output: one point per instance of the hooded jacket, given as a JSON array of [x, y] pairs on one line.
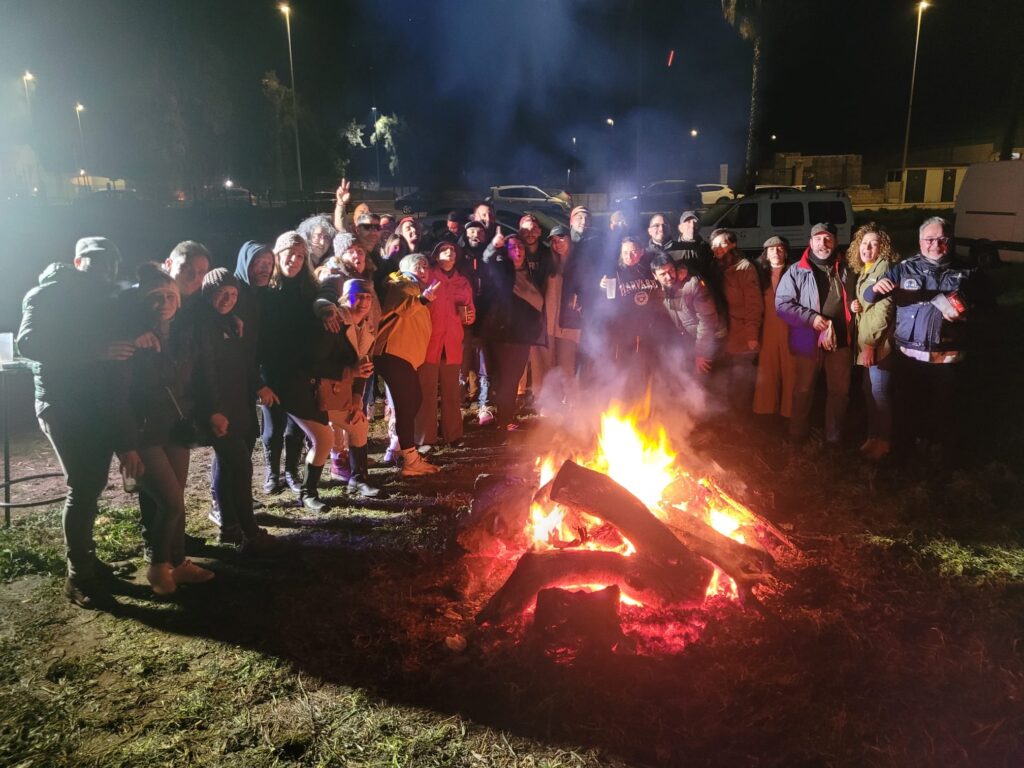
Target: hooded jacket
[[453, 292], [67, 322]]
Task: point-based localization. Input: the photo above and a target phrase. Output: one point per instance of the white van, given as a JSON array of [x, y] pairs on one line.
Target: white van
[[787, 213], [990, 213]]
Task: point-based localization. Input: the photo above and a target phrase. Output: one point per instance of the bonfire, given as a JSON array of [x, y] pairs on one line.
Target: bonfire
[[619, 524]]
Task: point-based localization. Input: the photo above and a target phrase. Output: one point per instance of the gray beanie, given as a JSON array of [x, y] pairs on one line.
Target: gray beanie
[[343, 241], [288, 240]]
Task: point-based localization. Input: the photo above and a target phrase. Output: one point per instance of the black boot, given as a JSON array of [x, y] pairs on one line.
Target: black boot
[[358, 482], [272, 484], [308, 494], [292, 452]]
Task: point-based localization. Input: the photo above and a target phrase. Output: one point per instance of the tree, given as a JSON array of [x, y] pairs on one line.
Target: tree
[[747, 18]]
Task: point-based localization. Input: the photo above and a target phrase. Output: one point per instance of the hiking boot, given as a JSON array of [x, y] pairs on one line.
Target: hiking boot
[[188, 572], [230, 535], [357, 484], [161, 578], [414, 465], [88, 593]]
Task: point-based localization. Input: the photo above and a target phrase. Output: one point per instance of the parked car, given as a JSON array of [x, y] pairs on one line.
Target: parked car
[[428, 199], [669, 196], [712, 194], [524, 196], [990, 213], [508, 220], [786, 213]]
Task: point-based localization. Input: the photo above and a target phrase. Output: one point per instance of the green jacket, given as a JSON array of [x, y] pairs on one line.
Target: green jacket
[[876, 321]]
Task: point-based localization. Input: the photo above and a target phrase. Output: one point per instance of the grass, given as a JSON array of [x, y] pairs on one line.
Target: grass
[[893, 637]]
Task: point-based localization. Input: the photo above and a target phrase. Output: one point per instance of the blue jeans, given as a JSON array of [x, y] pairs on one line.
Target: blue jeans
[[876, 396]]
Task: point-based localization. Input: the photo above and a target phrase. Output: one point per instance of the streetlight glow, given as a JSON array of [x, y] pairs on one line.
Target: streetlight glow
[[28, 77], [774, 137], [228, 183], [910, 102], [610, 121], [693, 133], [79, 107], [286, 10]]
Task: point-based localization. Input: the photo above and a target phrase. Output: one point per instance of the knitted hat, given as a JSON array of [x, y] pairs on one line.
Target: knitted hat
[[92, 247], [218, 278], [474, 223], [288, 240], [343, 241]]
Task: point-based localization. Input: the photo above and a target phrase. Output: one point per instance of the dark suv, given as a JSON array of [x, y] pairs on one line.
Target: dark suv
[[669, 196]]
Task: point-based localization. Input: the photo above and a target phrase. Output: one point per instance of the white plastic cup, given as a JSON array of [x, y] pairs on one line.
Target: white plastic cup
[[6, 347], [610, 286]]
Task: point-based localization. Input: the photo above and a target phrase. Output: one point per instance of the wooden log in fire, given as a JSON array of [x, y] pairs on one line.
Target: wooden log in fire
[[652, 583], [599, 495]]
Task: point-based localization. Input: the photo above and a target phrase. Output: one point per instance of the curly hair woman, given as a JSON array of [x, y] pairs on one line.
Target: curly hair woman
[[870, 256]]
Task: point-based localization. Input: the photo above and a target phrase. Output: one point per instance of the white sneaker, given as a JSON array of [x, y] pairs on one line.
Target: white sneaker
[[190, 573], [161, 579], [414, 465], [485, 417]]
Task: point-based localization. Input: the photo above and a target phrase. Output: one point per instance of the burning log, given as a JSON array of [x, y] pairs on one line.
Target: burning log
[[745, 565], [602, 497], [640, 578]]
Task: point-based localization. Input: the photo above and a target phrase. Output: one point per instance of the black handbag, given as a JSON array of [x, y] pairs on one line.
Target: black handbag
[[185, 431]]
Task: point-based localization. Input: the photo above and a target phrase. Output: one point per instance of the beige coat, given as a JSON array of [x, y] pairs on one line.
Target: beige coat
[[776, 366]]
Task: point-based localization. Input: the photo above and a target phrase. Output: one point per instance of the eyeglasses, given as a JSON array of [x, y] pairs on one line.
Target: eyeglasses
[[371, 227], [933, 240]]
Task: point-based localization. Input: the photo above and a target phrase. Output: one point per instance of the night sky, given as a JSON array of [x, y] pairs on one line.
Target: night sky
[[493, 92]]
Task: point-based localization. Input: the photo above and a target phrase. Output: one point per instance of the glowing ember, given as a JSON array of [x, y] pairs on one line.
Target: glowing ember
[[727, 525]]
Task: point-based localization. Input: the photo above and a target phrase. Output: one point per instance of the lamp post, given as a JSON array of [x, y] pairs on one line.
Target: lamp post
[[376, 144], [27, 78], [287, 11], [79, 109], [910, 104]]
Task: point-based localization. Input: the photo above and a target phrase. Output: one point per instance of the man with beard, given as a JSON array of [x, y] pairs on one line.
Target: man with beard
[[475, 378], [812, 299], [691, 308]]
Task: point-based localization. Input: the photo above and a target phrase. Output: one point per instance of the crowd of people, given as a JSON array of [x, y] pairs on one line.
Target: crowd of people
[[296, 348]]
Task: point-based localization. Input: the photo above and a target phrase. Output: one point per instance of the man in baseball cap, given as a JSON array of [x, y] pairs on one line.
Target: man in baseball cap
[[812, 299]]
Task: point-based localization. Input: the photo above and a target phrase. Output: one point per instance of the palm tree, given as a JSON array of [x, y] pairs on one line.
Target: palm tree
[[747, 18]]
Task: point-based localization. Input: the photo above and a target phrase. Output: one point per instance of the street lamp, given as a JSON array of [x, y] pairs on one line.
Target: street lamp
[[910, 104], [376, 144], [79, 109], [287, 11], [693, 133], [610, 122], [27, 78], [228, 183]]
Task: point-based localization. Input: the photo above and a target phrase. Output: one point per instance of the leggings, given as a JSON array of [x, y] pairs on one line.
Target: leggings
[[163, 516], [321, 438], [404, 385]]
